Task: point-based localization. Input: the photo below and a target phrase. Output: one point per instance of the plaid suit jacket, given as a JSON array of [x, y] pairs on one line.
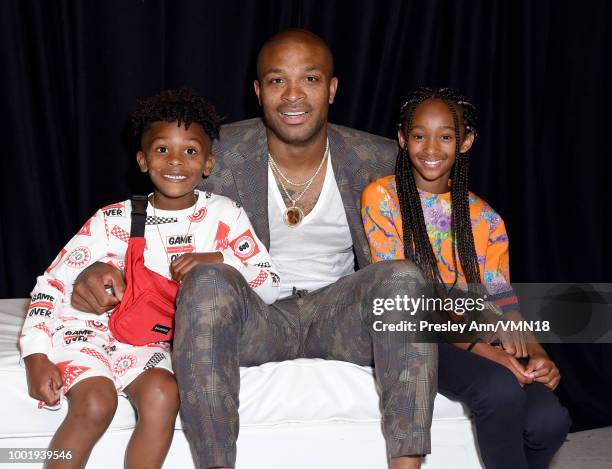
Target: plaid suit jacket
[[241, 173]]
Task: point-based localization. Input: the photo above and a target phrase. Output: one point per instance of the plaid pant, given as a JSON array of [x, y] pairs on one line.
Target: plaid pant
[[221, 324]]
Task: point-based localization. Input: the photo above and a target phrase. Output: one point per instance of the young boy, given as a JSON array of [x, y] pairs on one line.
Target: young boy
[[73, 353]]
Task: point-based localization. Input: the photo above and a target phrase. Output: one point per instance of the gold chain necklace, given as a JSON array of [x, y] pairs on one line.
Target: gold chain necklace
[[294, 215], [308, 181], [161, 239]]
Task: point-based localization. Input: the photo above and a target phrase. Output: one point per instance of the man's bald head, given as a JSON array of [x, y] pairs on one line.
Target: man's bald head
[[295, 36]]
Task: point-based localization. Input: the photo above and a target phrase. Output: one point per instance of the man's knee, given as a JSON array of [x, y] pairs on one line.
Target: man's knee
[[206, 284], [212, 297], [392, 285], [399, 268], [221, 276], [391, 278]]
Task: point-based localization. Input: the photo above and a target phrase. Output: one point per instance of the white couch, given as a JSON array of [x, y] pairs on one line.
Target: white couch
[[299, 414]]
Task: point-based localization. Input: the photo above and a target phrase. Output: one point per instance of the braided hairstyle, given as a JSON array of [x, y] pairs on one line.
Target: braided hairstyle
[[183, 106], [417, 247]]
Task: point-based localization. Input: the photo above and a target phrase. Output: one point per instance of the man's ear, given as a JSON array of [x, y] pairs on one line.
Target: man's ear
[[142, 161], [467, 142], [401, 138], [333, 87], [257, 88], [209, 164]]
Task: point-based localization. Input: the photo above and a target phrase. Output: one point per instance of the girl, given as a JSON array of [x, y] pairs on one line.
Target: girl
[[458, 240]]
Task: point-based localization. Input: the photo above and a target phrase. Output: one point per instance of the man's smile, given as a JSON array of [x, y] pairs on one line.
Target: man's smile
[[294, 116]]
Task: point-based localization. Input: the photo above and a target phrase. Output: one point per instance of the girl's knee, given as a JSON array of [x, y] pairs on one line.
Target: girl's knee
[[548, 425], [500, 392]]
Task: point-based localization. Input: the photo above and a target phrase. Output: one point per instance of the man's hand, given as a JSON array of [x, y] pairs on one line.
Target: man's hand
[[44, 378], [543, 370], [498, 355], [90, 289], [514, 342], [182, 265]]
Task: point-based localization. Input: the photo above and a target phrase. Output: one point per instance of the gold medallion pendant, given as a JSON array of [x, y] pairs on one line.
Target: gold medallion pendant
[[293, 216]]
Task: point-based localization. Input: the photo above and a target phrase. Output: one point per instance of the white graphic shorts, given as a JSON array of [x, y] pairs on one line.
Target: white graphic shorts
[[86, 348]]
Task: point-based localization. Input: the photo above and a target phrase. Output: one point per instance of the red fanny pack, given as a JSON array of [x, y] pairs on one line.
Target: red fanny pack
[[146, 312]]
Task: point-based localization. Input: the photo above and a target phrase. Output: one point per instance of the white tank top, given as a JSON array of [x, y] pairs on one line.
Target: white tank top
[[317, 252]]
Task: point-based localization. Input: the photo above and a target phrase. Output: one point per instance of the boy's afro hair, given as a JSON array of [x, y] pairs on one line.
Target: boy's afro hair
[[183, 106]]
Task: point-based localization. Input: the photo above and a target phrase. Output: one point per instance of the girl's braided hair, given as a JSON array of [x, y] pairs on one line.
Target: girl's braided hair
[[417, 247]]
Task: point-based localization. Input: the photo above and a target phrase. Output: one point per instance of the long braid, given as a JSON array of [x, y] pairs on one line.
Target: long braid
[[416, 240], [417, 247], [461, 225]]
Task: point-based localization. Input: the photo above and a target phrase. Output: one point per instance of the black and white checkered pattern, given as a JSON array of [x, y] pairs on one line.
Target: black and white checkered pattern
[[160, 220]]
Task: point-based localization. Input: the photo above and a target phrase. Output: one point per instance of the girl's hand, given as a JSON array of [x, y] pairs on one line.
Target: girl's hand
[[44, 378], [182, 265], [543, 370], [498, 355], [514, 342]]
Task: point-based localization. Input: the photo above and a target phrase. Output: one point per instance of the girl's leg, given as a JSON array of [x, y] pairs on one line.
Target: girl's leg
[[154, 393], [92, 405], [494, 397], [547, 424]]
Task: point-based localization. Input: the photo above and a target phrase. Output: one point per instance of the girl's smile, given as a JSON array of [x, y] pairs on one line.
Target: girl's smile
[[431, 145]]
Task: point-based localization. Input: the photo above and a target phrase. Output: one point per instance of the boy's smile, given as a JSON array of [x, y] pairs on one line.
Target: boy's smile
[[175, 158]]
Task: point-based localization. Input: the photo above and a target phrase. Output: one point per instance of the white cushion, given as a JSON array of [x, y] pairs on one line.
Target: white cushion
[[294, 391], [325, 413]]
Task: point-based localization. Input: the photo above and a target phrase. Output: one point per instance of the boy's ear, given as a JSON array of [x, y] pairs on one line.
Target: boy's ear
[[209, 164], [401, 138], [467, 142], [142, 161]]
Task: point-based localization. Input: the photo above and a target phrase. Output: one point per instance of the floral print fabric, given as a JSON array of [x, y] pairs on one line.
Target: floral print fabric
[[383, 226]]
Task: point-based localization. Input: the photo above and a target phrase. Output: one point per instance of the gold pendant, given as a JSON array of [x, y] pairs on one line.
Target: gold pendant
[[293, 216]]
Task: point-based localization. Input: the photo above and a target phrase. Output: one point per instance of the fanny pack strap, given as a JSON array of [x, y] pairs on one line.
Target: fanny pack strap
[[139, 215]]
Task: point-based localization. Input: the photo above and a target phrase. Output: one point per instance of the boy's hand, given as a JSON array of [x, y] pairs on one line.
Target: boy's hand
[[90, 288], [498, 355], [44, 378], [182, 265]]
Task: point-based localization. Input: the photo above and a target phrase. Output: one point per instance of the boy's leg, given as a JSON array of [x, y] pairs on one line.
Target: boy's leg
[[154, 393], [92, 405], [342, 328], [221, 324], [79, 352]]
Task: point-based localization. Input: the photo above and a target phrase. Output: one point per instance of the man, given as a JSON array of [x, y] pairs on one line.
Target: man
[[300, 181]]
